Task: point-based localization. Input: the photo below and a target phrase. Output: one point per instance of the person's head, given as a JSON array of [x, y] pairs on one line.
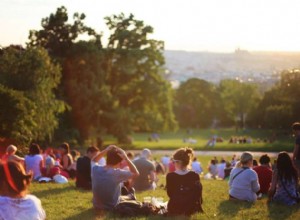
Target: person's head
[[254, 162], [11, 149], [64, 148], [195, 159], [285, 166], [34, 149], [223, 161], [183, 157], [130, 155], [228, 164], [49, 162], [146, 153], [213, 162], [246, 160], [296, 128], [75, 154], [113, 158], [92, 151], [264, 159], [13, 179]]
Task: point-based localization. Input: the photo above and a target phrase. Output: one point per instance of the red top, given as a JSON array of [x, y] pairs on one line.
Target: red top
[[264, 174]]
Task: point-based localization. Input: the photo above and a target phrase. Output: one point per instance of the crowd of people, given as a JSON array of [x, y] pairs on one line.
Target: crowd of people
[[114, 176]]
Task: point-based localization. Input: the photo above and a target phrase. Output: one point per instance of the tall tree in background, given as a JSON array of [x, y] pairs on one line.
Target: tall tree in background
[[238, 99], [28, 79], [196, 104], [134, 67], [57, 36]]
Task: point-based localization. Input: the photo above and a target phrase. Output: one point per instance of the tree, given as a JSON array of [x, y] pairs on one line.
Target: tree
[[29, 78], [134, 67], [196, 103], [57, 36], [238, 99]]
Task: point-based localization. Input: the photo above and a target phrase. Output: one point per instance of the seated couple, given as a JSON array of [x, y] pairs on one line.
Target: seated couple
[[183, 186]]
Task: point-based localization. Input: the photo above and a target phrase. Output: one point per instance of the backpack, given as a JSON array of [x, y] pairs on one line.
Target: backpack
[[131, 208]]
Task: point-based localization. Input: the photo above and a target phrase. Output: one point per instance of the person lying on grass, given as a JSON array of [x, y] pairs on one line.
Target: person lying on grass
[[107, 180], [15, 203], [183, 186], [243, 181]]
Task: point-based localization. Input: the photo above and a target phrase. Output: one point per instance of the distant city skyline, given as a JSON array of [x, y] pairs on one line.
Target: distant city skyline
[[193, 25]]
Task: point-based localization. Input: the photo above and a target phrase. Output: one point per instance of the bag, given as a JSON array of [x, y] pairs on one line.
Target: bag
[[131, 208]]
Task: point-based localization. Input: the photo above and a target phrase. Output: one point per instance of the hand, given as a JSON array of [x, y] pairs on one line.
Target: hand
[[110, 147], [122, 153]]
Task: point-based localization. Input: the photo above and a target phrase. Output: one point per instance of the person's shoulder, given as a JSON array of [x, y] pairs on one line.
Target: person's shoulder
[[32, 199]]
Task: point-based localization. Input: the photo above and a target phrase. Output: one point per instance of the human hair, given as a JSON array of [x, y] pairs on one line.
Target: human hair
[[112, 157], [65, 146], [296, 126], [213, 162], [184, 155], [146, 153], [92, 149], [245, 158], [130, 155], [11, 149], [285, 167], [14, 177], [264, 159], [34, 149], [75, 154]]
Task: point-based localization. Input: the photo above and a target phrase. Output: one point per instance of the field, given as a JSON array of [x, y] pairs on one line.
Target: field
[[283, 140], [67, 202]]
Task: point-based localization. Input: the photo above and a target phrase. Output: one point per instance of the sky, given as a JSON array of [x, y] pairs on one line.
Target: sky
[[190, 25]]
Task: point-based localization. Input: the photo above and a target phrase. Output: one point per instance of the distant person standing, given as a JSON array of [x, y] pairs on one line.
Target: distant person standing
[[296, 153], [147, 178]]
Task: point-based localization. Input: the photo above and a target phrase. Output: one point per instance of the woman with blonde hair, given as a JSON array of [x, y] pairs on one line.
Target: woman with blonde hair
[[183, 185], [243, 181], [10, 154]]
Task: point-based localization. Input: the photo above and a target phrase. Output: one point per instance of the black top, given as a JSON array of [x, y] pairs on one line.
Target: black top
[[297, 142], [83, 173], [185, 193]]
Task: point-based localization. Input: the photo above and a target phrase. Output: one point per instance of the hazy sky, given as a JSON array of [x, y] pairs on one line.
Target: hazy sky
[[193, 25]]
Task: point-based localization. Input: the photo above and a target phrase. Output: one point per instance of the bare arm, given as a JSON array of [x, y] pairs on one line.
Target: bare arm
[[273, 185], [153, 176], [132, 167], [101, 154], [296, 150]]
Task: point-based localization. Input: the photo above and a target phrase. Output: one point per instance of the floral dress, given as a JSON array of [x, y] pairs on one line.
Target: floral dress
[[281, 195]]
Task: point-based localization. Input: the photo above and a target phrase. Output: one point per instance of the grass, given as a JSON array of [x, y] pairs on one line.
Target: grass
[[174, 140], [64, 201]]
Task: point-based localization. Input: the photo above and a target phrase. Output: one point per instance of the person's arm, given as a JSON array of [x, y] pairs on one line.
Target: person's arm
[[101, 154], [132, 167], [65, 162], [255, 184], [296, 150], [273, 186], [153, 176]]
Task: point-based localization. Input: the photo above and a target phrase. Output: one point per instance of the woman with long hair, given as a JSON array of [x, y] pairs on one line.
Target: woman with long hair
[[284, 181], [183, 185], [15, 202], [66, 157], [34, 161], [243, 181]]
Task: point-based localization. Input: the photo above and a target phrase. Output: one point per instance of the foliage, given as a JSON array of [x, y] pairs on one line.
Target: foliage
[[28, 79], [142, 97], [196, 104], [238, 99], [57, 36]]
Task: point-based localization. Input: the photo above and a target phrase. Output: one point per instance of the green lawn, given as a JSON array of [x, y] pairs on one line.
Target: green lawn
[[174, 140], [67, 202]]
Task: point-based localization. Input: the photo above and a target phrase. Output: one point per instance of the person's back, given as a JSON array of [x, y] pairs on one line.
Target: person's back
[[145, 167], [196, 166], [264, 173], [32, 163], [221, 166], [83, 173]]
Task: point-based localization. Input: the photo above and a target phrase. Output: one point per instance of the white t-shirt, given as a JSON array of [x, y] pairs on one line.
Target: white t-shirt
[[27, 208], [196, 166], [33, 163]]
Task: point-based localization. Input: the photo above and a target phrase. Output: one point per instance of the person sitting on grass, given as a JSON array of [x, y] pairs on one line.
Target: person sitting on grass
[[243, 181], [183, 186], [83, 169], [34, 161], [15, 203], [10, 154], [264, 173], [65, 157], [284, 181], [147, 178], [107, 180]]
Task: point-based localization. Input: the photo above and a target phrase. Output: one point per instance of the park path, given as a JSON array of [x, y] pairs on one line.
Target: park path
[[213, 153]]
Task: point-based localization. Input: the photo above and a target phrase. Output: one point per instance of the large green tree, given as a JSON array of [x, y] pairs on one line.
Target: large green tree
[[134, 67], [196, 103], [29, 78], [238, 99]]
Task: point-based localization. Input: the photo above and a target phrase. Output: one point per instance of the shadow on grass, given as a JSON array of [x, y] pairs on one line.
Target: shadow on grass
[[231, 208], [279, 211], [51, 191]]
